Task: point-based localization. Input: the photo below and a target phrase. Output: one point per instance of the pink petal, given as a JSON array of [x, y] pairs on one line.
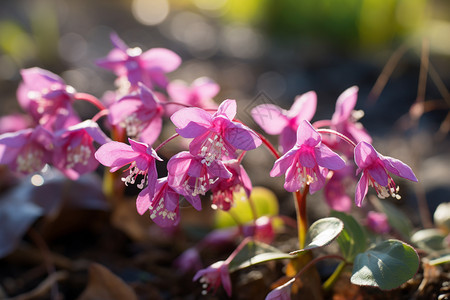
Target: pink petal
[[205, 88], [178, 91], [327, 158], [378, 173], [151, 133], [306, 157], [365, 155], [225, 278], [283, 292], [358, 133], [160, 58], [241, 137], [228, 108], [307, 135], [117, 42], [270, 118], [361, 189], [345, 104], [398, 168], [283, 163], [287, 139], [115, 155], [123, 108], [148, 97], [143, 201], [304, 107], [292, 183], [191, 122]]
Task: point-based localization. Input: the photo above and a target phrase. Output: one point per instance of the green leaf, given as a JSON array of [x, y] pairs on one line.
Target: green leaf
[[429, 239], [387, 265], [321, 233], [397, 219], [255, 252], [352, 240], [264, 201], [440, 260]]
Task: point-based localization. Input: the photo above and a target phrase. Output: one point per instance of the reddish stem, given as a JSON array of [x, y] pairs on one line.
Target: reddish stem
[[302, 218], [102, 113], [91, 99], [322, 123], [338, 134]]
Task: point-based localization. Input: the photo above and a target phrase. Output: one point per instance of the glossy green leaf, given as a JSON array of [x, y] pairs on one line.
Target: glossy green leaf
[[387, 265], [352, 240], [255, 252], [321, 233]]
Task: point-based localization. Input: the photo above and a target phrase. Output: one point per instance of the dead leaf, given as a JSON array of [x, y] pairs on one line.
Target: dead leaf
[[105, 285]]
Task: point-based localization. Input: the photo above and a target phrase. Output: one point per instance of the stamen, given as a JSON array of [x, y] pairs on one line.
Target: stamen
[[79, 154], [30, 160]]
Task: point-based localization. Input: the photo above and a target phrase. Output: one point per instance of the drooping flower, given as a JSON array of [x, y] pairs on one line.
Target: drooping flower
[[374, 168], [163, 206], [188, 261], [216, 136], [189, 177], [200, 94], [47, 98], [378, 222], [140, 114], [345, 119], [307, 162], [74, 150], [148, 67], [214, 276], [141, 158], [276, 121], [26, 151], [224, 188]]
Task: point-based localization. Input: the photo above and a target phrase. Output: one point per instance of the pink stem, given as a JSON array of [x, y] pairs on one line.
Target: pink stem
[[166, 141], [91, 99], [338, 134]]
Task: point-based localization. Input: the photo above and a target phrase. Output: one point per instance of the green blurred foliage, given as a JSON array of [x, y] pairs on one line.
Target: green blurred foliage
[[366, 23]]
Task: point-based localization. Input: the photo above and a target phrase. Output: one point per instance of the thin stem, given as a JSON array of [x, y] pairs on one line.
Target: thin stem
[[302, 219], [237, 250], [252, 208], [322, 123], [328, 284], [269, 146], [91, 99], [166, 141], [338, 134], [102, 113]]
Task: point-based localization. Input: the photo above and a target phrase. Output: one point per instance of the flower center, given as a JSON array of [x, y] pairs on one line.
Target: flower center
[[305, 175], [30, 160], [158, 209], [200, 186], [222, 199], [385, 191], [213, 148], [79, 154], [133, 125], [134, 172]]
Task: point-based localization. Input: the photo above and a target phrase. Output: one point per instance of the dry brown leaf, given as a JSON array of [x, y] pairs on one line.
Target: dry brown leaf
[[105, 285]]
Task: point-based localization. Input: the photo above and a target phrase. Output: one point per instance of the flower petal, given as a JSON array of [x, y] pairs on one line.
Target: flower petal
[[283, 163], [307, 134], [143, 201], [227, 108], [327, 158], [160, 58], [345, 104], [191, 122], [241, 137], [270, 118], [115, 155], [361, 189], [304, 107], [398, 168], [365, 155]]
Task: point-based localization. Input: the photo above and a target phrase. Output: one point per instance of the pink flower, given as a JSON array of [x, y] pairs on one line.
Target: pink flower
[[215, 136], [200, 94], [140, 114], [148, 67], [74, 149], [26, 151], [141, 158], [163, 206], [190, 177], [223, 189], [262, 230], [214, 276], [305, 163], [344, 120], [375, 168], [47, 98], [277, 121], [378, 222], [189, 260]]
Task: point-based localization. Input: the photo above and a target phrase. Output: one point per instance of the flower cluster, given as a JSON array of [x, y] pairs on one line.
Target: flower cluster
[[53, 133]]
